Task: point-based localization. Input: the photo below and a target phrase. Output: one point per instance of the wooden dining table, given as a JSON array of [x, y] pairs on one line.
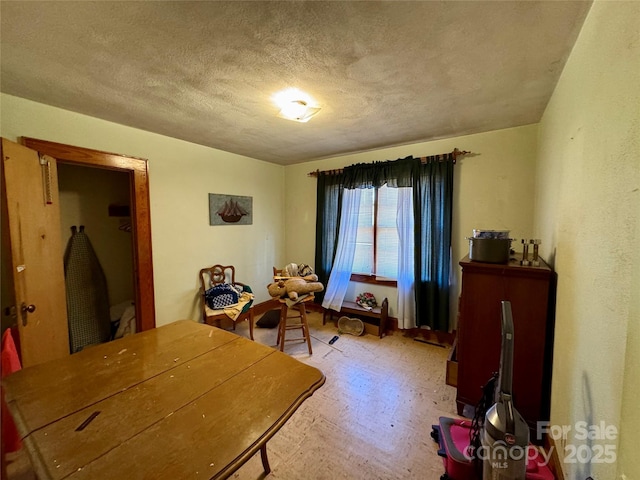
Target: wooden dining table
[[181, 401]]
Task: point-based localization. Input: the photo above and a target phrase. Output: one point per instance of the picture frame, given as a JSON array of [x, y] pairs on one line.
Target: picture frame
[[230, 209]]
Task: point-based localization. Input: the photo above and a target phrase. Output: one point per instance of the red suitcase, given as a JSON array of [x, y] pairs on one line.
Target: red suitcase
[[537, 469], [452, 435]]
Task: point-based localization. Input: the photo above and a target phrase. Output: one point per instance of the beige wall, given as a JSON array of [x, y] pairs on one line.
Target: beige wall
[[493, 189], [587, 208], [629, 460], [181, 175]]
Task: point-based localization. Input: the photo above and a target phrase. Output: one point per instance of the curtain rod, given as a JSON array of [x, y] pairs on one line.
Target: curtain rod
[[456, 153]]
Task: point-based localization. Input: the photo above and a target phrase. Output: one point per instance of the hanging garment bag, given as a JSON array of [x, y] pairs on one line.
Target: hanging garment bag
[[87, 295]]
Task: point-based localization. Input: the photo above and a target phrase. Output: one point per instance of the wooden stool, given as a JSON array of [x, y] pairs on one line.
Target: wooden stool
[[302, 324]]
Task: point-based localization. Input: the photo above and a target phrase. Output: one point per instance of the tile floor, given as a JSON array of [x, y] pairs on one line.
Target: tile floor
[[371, 420]]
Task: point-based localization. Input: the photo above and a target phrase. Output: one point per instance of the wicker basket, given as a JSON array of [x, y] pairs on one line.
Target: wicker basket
[[352, 326]]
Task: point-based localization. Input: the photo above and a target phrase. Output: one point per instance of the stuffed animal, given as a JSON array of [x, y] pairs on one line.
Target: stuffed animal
[[295, 286], [295, 270]]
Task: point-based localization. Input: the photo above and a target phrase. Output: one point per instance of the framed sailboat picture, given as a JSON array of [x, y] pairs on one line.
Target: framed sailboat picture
[[230, 209]]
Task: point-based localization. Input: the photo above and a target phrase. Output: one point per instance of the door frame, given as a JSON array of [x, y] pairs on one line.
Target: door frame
[[137, 168]]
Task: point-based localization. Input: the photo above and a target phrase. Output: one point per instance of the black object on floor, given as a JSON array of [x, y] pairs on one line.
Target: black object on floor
[[430, 343], [270, 319], [333, 340]]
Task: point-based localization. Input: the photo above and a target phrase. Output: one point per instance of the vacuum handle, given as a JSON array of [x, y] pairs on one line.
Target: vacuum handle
[[510, 421], [506, 356]]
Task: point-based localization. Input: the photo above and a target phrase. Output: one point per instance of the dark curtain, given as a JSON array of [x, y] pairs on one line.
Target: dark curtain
[[432, 183], [329, 208], [433, 207], [394, 173]]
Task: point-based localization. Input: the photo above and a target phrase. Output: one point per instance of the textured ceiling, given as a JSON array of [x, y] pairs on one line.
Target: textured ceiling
[[384, 73]]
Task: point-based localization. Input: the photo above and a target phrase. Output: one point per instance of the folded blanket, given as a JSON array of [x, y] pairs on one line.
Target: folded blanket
[[301, 298]]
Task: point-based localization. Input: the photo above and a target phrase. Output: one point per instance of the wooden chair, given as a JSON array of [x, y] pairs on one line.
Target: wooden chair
[[216, 275]]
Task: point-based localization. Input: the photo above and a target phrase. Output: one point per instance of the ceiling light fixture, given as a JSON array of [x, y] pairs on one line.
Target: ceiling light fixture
[[295, 105], [298, 110]]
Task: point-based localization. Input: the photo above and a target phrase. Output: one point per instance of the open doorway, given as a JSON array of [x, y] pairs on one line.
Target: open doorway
[[98, 201], [136, 170]]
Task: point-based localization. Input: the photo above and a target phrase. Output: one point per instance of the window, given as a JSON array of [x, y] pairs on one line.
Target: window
[[377, 238], [424, 198]]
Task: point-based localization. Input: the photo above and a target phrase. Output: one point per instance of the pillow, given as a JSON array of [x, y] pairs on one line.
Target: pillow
[[270, 319], [304, 270], [221, 296]]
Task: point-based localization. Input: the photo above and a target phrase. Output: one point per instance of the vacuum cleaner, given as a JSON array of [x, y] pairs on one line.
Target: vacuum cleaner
[[505, 435], [495, 444]]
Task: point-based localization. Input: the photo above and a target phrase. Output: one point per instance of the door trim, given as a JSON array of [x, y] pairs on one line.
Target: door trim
[[137, 168]]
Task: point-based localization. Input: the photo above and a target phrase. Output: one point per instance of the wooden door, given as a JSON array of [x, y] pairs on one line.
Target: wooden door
[[26, 183], [30, 198]]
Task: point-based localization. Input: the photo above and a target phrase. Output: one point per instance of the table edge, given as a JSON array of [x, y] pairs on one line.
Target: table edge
[[235, 465]]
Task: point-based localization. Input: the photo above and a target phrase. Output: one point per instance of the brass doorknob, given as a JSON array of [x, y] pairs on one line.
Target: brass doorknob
[[24, 310], [27, 308]]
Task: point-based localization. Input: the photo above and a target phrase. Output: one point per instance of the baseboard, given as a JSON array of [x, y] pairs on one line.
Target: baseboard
[[262, 307], [273, 304], [442, 338], [314, 307]]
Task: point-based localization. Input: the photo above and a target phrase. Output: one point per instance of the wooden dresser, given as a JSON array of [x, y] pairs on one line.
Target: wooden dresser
[[530, 291]]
